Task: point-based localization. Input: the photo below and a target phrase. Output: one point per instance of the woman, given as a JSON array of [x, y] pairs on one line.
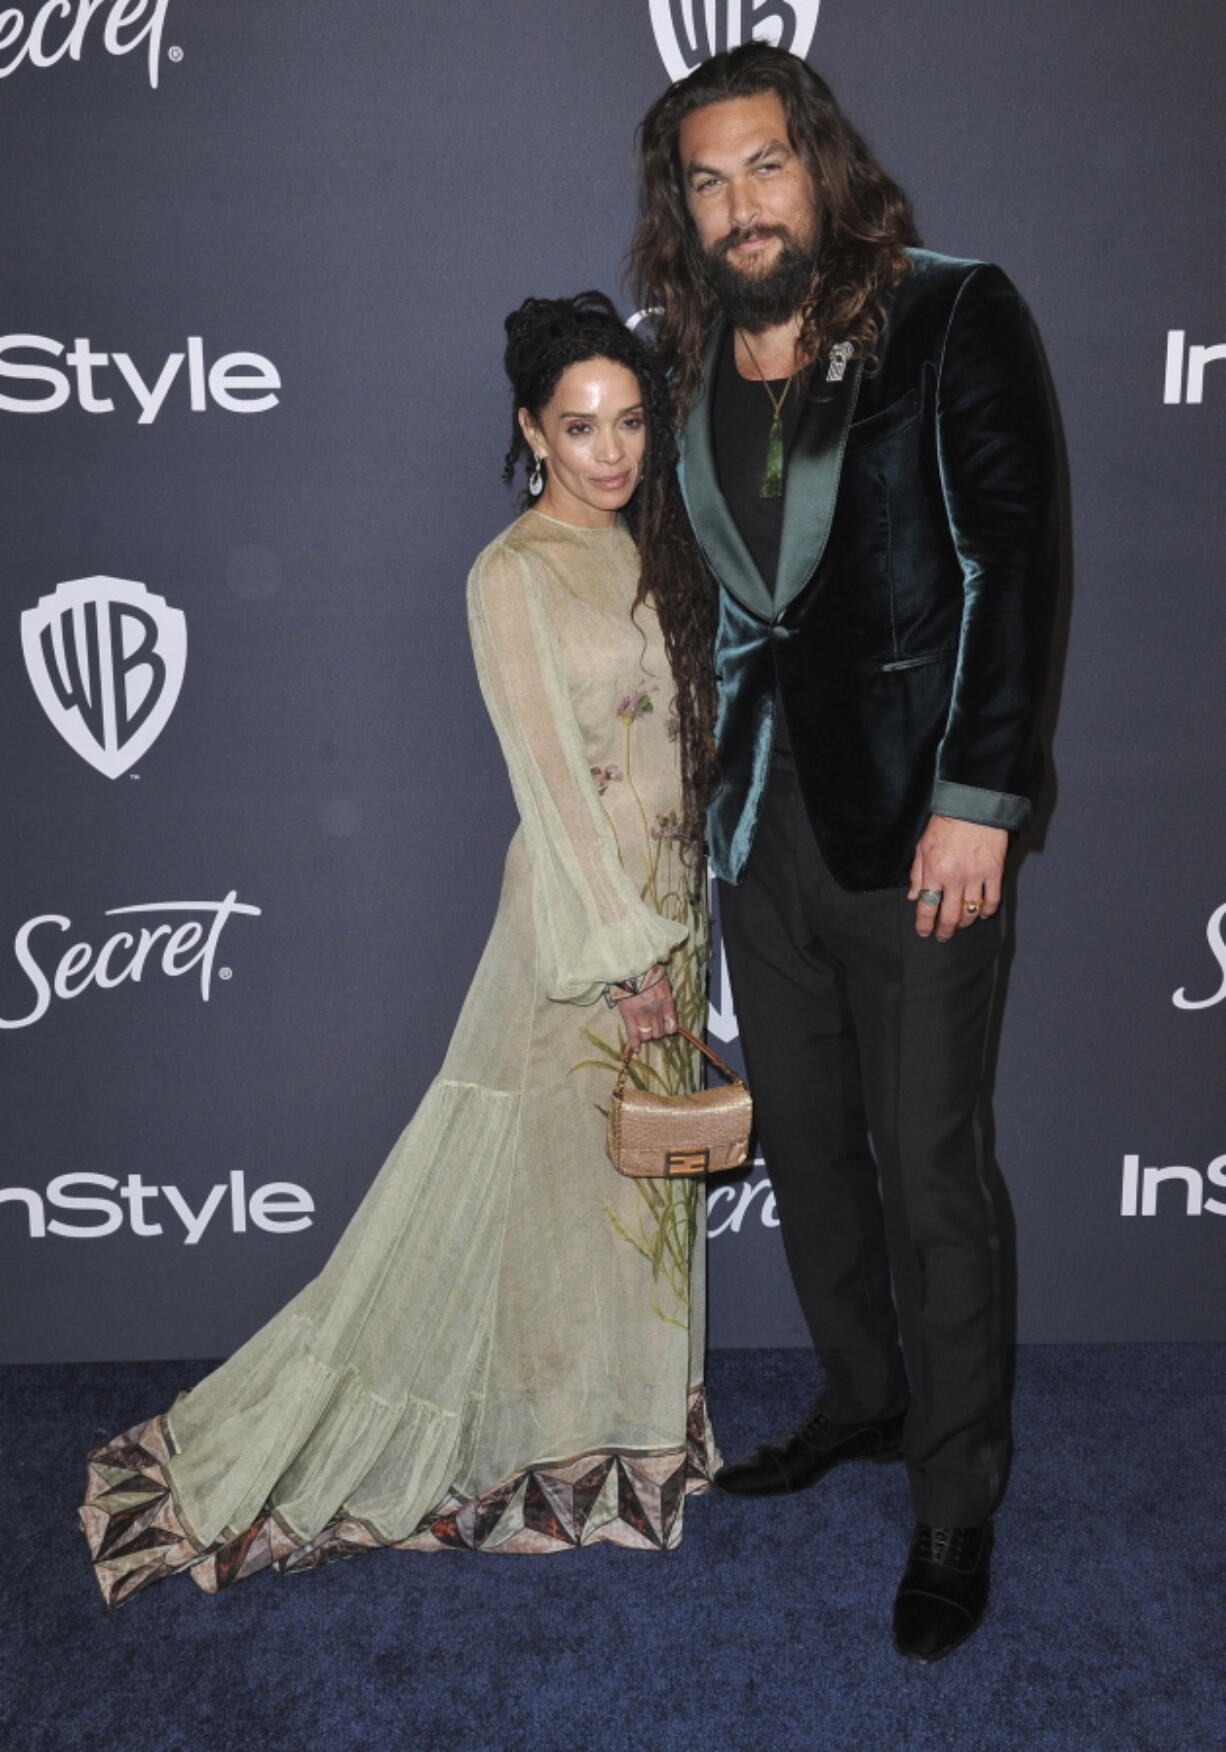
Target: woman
[[505, 1349]]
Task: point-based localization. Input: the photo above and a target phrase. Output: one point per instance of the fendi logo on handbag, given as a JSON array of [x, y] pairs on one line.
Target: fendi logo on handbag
[[687, 1161]]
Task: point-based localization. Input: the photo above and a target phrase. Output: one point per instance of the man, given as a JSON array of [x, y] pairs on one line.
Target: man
[[868, 462]]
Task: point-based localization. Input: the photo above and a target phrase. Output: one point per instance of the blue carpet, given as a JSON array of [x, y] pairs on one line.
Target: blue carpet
[[766, 1632]]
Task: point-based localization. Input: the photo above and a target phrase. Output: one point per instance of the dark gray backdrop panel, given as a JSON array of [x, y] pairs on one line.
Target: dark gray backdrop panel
[[360, 196]]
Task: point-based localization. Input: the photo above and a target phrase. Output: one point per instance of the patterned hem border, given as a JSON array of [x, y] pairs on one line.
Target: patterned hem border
[[137, 1534]]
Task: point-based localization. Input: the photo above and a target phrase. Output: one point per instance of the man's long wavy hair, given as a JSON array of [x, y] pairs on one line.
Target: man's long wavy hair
[[544, 337], [863, 218]]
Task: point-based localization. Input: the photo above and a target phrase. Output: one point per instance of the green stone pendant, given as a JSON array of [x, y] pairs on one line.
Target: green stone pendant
[[772, 469]]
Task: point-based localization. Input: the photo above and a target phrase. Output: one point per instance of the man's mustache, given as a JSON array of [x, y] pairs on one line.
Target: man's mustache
[[741, 232]]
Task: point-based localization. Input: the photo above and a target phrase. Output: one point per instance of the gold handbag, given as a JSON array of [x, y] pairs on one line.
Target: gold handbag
[[666, 1136]]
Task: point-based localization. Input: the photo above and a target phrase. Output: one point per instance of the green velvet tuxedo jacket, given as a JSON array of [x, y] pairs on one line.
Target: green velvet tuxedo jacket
[[907, 632]]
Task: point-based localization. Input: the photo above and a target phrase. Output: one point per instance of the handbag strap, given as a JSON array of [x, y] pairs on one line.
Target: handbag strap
[[630, 1048]]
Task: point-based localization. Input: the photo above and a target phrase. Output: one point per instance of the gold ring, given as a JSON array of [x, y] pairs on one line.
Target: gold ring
[[972, 906]]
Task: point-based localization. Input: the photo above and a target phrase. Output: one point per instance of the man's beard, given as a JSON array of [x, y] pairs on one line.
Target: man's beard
[[757, 301]]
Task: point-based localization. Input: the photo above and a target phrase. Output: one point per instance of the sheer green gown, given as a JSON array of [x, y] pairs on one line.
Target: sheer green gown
[[504, 1352]]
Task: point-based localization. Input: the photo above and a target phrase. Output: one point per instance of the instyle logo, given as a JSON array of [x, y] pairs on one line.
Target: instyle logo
[[241, 383], [58, 30], [1215, 932], [279, 1206], [1139, 1188], [1185, 368], [689, 32], [51, 970], [106, 658]]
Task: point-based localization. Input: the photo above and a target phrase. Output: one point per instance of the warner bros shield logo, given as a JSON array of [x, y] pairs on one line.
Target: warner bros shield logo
[[689, 32], [106, 657]]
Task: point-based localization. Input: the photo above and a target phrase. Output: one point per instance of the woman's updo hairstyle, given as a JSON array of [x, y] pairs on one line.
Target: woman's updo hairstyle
[[545, 336]]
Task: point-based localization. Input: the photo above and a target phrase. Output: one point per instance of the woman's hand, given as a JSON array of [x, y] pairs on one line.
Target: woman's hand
[[649, 1016]]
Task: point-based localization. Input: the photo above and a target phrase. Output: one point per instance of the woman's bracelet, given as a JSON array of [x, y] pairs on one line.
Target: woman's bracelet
[[634, 986]]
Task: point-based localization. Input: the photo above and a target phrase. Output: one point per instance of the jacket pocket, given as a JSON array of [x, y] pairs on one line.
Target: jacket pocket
[[919, 662], [884, 421]]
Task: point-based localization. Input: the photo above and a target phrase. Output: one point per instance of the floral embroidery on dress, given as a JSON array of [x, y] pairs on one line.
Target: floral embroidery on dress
[[635, 705], [603, 777], [667, 827], [667, 1209]]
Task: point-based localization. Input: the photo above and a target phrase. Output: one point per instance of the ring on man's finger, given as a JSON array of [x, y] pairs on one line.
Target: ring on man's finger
[[972, 906], [643, 1030], [930, 896]]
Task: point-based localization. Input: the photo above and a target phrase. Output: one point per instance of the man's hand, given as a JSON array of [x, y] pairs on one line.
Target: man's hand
[[963, 863]]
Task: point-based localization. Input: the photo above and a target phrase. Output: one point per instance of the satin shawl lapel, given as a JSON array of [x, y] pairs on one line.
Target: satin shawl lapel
[[815, 463], [714, 526]]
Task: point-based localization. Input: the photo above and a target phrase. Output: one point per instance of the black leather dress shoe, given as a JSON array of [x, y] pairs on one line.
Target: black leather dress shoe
[[808, 1454], [943, 1594]]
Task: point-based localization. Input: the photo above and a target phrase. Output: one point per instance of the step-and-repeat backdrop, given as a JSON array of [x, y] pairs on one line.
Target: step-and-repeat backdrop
[[254, 268]]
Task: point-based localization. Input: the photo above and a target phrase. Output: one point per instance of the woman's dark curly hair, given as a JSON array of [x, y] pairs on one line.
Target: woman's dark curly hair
[[544, 337], [864, 218]]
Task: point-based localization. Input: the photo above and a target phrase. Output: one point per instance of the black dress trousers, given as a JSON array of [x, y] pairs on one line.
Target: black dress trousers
[[856, 1029]]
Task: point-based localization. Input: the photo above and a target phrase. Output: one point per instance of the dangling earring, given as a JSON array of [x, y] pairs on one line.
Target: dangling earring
[[536, 480]]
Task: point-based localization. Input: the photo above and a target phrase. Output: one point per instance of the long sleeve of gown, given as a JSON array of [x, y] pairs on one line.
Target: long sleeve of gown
[[593, 926]]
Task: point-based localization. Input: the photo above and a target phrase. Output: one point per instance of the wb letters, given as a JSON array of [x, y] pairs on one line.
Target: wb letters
[[106, 658], [691, 31]]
